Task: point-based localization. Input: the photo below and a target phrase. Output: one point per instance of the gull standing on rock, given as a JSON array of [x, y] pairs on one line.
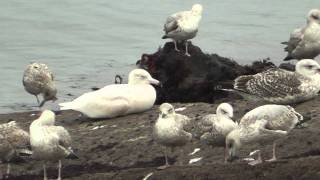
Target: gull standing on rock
[[170, 129], [281, 86], [304, 43], [50, 142], [215, 127], [117, 99], [14, 142], [183, 25], [262, 124], [38, 79]]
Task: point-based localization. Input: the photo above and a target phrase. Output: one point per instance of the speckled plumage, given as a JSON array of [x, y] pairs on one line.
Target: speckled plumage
[[263, 124], [38, 79], [281, 86], [13, 140], [213, 128]]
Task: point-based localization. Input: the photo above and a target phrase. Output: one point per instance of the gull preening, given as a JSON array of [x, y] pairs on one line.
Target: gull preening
[[50, 142], [304, 43], [170, 129], [14, 142], [281, 86], [215, 127], [263, 124], [38, 79], [183, 25], [117, 99]]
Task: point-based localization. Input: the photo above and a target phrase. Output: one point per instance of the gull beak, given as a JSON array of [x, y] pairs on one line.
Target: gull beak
[[153, 81]]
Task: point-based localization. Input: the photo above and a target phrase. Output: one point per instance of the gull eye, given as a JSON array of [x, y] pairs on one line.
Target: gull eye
[[308, 66], [170, 111], [315, 16], [224, 112]]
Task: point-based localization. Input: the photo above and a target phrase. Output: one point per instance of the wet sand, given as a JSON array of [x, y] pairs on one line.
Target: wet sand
[[123, 148]]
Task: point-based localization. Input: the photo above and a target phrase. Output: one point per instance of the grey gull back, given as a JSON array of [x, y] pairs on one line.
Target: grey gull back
[[183, 25]]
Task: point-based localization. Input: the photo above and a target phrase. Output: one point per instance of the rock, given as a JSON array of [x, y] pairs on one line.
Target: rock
[[195, 78]]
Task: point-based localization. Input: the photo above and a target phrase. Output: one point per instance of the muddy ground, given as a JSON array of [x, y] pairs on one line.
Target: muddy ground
[[123, 149]]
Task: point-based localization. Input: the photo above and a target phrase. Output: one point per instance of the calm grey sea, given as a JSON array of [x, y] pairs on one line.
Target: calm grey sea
[[87, 42]]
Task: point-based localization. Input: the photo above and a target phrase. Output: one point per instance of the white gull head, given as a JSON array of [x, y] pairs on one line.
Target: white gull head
[[196, 9], [47, 118], [308, 68], [166, 110], [225, 109], [314, 16], [141, 76]]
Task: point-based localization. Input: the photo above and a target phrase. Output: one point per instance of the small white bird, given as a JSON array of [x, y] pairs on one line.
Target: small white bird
[[38, 79], [183, 25], [215, 127], [281, 86], [117, 99], [304, 43], [170, 130], [14, 142], [262, 124], [50, 142]]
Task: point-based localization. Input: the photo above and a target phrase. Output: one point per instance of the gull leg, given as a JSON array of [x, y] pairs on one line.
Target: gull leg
[[167, 162], [59, 170], [274, 158], [44, 172], [8, 171], [37, 100], [257, 161], [187, 53], [175, 46]]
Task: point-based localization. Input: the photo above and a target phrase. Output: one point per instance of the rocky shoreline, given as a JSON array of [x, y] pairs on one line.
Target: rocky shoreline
[[123, 148]]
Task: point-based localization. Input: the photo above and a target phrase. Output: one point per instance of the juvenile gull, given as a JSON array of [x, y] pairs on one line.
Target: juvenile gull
[[117, 99], [281, 86], [262, 124], [14, 142], [170, 130], [304, 43], [183, 25], [38, 79], [50, 142]]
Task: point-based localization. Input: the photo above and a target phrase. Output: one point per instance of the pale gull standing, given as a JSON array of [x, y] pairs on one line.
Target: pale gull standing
[[214, 128], [262, 125], [38, 79], [170, 129], [14, 142], [50, 142], [281, 86], [304, 43], [183, 25], [117, 99]]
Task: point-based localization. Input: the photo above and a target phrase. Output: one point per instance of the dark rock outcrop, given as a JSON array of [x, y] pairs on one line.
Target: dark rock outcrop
[[195, 78]]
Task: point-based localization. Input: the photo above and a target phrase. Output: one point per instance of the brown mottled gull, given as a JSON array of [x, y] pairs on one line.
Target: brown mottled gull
[[38, 79], [263, 124], [50, 142], [14, 142], [281, 86], [170, 129]]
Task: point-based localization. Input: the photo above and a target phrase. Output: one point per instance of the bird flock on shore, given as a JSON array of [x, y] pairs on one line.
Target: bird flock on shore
[[281, 88]]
